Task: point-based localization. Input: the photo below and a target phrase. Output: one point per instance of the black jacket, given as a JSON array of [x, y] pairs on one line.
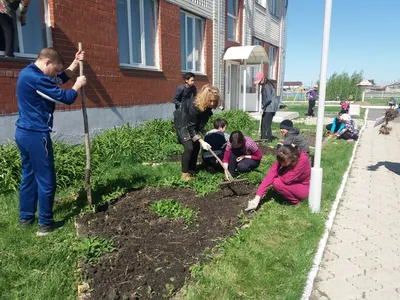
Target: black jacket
[[190, 121], [183, 94]]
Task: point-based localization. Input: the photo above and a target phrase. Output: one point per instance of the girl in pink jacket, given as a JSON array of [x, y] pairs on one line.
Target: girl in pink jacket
[[289, 175]]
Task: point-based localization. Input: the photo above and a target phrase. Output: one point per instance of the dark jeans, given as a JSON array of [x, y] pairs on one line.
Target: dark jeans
[[311, 105], [329, 127], [266, 125], [7, 24], [349, 136], [246, 165], [189, 158]]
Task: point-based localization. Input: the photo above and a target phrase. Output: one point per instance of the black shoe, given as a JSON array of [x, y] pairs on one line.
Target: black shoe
[[44, 230], [25, 223]]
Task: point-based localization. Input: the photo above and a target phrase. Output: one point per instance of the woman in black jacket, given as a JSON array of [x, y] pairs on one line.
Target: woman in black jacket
[[190, 119]]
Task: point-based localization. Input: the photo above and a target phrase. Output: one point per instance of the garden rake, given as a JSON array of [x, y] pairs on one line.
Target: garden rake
[[231, 181]]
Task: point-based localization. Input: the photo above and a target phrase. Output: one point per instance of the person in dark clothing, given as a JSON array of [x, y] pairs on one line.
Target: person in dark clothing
[[185, 91], [8, 10], [217, 138], [269, 105], [242, 154], [190, 119], [312, 98], [292, 136]]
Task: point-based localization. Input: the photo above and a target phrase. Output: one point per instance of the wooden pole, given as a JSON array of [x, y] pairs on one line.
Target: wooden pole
[[87, 139]]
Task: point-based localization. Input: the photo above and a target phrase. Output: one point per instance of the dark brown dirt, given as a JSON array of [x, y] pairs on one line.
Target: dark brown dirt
[[154, 254], [310, 137], [266, 150]]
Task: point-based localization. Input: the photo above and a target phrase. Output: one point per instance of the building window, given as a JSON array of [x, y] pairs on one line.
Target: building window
[[258, 42], [260, 2], [274, 7], [137, 33], [272, 62], [232, 19], [192, 41], [35, 35]]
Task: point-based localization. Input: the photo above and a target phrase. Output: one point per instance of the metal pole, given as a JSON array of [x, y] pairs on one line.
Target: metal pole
[[316, 172], [244, 85]]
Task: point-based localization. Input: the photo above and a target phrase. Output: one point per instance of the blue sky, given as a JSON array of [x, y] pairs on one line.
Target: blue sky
[[364, 36]]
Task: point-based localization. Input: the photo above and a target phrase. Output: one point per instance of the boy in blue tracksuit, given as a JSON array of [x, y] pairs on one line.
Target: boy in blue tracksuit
[[38, 93]]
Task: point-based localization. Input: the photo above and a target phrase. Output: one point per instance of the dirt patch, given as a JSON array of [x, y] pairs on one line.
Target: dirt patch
[[154, 254], [310, 137], [266, 150]]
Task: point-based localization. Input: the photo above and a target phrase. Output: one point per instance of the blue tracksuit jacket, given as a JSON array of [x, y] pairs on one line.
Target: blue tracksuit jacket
[[37, 97]]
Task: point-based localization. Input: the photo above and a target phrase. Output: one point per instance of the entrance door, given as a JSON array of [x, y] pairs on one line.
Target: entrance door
[[252, 101], [232, 85]]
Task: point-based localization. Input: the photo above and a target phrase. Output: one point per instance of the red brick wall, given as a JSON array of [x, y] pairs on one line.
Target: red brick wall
[[94, 23]]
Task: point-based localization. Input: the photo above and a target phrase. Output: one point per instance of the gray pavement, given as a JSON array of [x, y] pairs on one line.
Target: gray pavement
[[362, 256]]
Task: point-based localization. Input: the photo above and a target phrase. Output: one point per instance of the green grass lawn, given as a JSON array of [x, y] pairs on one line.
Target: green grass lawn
[[258, 262], [271, 258]]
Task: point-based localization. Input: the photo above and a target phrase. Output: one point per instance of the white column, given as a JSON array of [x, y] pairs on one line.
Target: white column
[[316, 172], [244, 85]]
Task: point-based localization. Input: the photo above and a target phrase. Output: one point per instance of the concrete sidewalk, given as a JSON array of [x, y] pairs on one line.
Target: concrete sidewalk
[[362, 256]]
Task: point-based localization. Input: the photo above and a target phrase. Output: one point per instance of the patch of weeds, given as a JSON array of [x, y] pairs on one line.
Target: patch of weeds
[[92, 248], [172, 209], [170, 289], [243, 219]]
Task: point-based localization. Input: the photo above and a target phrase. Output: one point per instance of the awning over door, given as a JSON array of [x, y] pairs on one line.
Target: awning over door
[[250, 54]]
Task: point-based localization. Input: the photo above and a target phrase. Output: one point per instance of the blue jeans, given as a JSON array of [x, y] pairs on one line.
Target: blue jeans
[[38, 175]]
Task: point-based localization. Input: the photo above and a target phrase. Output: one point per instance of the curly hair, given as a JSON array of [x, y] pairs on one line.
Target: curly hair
[[205, 95], [288, 153]]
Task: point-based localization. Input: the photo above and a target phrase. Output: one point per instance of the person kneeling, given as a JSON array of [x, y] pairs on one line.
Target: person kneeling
[[289, 176], [217, 138], [292, 135], [242, 154]]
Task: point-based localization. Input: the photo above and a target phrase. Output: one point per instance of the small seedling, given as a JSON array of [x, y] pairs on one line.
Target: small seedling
[[92, 248], [172, 209]]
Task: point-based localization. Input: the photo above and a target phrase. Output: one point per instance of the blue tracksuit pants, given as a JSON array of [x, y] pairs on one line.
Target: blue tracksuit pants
[[38, 175]]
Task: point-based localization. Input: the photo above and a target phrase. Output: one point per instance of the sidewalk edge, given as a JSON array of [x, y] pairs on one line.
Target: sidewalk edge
[[329, 223]]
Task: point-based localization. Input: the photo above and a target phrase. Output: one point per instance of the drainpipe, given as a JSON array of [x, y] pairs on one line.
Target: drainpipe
[[283, 50], [218, 81]]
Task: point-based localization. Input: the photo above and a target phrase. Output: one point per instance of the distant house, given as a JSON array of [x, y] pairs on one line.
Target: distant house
[[292, 85]]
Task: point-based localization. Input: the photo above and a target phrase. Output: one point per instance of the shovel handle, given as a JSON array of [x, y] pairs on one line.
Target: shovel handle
[[222, 164]]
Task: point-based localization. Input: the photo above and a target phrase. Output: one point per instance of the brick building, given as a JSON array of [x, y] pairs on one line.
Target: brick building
[[137, 51]]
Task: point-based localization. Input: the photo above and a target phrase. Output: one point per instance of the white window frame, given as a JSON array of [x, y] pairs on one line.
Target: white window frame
[[201, 47], [274, 5], [273, 51], [142, 37], [261, 3], [235, 37], [49, 42]]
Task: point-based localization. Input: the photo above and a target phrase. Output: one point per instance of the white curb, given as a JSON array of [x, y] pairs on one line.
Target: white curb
[[328, 225]]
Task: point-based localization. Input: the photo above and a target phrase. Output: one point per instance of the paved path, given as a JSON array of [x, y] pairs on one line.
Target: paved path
[[362, 256]]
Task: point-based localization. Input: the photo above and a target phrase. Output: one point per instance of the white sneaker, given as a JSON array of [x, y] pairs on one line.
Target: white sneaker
[[252, 205]]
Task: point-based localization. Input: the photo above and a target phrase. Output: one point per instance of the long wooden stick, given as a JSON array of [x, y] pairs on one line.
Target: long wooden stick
[[87, 139]]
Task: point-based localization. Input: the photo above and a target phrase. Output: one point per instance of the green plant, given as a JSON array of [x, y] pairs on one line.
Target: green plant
[[172, 209], [92, 248]]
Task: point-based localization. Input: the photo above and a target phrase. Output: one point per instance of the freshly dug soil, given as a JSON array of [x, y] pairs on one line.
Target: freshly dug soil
[[154, 254]]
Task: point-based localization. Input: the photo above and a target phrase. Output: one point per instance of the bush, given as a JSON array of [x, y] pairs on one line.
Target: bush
[[154, 141]]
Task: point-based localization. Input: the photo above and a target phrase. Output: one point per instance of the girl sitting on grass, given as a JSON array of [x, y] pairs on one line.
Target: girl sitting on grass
[[350, 131], [289, 176]]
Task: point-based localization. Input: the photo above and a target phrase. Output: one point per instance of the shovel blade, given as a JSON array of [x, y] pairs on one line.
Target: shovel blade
[[233, 181]]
